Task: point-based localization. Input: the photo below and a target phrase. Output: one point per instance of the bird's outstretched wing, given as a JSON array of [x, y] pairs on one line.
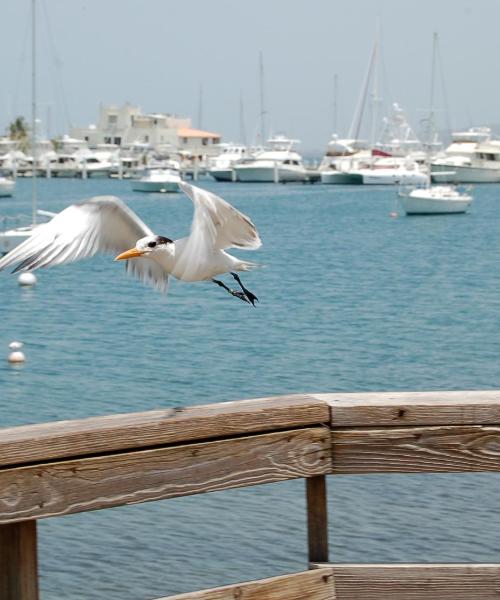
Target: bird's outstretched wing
[[216, 225], [100, 224]]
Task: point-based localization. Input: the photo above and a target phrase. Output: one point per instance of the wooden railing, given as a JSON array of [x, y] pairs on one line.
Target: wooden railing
[[67, 467]]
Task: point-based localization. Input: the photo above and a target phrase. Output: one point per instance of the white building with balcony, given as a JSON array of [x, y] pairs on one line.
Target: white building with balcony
[[126, 126]]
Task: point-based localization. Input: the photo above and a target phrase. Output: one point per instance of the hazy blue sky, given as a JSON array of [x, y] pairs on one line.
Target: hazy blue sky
[[157, 53]]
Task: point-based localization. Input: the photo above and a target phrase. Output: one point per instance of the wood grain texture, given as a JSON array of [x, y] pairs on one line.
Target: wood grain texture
[[49, 441], [397, 409], [417, 582], [317, 518], [310, 585], [18, 561], [416, 450], [129, 478]]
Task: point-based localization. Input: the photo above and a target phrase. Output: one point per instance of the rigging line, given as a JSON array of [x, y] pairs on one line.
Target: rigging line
[[22, 62], [57, 64]]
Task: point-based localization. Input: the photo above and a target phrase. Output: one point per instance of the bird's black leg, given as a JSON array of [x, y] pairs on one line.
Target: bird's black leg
[[251, 297], [240, 295]]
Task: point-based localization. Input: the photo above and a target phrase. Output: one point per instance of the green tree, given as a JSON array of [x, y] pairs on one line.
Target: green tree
[[19, 131]]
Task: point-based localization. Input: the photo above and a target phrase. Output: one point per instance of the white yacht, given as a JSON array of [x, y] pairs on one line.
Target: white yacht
[[435, 200], [159, 179], [481, 165], [6, 186], [342, 160], [222, 164], [278, 163]]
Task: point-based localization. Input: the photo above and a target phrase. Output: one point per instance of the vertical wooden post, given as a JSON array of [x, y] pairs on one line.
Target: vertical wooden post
[[18, 561], [317, 518]]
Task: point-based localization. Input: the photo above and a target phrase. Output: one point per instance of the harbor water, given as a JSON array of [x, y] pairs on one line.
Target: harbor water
[[350, 300]]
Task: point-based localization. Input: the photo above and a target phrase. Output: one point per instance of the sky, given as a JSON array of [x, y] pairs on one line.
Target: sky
[[158, 54]]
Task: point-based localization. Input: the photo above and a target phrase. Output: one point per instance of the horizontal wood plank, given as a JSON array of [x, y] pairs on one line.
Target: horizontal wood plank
[[49, 441], [397, 409], [416, 581], [416, 450], [99, 482], [310, 585]]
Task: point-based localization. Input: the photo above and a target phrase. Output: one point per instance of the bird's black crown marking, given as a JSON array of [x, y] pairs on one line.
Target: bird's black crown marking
[[163, 240]]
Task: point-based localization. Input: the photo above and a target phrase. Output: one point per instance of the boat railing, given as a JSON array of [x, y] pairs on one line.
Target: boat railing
[[53, 469]]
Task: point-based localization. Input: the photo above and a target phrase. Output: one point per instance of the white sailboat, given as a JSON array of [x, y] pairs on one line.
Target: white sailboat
[[11, 237], [435, 200], [7, 186]]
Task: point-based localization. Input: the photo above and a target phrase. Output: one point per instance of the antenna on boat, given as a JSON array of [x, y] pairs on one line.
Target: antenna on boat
[[33, 110]]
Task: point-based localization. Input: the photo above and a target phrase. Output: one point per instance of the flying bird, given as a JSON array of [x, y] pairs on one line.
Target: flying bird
[[106, 224]]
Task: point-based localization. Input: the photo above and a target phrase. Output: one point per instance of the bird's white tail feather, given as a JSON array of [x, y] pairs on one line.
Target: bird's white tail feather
[[244, 265]]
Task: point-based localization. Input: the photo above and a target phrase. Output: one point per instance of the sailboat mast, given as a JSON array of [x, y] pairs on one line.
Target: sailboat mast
[[243, 134], [33, 109], [200, 107], [375, 100], [431, 126], [262, 109], [335, 102]]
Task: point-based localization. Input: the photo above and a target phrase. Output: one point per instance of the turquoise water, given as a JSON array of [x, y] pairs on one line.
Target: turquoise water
[[350, 300]]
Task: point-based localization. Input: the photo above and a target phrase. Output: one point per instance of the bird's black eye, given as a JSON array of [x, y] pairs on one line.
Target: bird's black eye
[[152, 244]]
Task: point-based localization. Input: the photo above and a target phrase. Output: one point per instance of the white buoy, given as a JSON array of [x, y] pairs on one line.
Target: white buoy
[[16, 357], [15, 345], [26, 279]]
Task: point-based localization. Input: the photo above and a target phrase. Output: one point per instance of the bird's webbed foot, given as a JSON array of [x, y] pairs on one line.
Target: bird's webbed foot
[[235, 293], [250, 296]]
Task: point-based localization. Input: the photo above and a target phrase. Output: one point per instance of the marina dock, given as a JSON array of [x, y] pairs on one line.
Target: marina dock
[[54, 469]]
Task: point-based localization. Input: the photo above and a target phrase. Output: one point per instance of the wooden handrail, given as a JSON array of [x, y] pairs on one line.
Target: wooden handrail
[[65, 467]]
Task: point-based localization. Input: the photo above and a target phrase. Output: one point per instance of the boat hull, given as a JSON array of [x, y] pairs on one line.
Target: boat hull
[[10, 238], [155, 186], [6, 188], [340, 178], [414, 205], [269, 175], [221, 174], [464, 174], [394, 178]]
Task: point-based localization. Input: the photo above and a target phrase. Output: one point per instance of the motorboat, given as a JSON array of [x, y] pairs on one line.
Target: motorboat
[[222, 164], [6, 186], [472, 157], [158, 179], [279, 163], [435, 200], [480, 166]]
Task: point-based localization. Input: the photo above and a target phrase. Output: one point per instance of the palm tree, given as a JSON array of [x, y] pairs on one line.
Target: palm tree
[[19, 131]]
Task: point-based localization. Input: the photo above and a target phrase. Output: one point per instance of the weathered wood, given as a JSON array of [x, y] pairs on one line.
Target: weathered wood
[[18, 561], [416, 581], [416, 449], [397, 409], [310, 585], [49, 441], [112, 480], [317, 518]]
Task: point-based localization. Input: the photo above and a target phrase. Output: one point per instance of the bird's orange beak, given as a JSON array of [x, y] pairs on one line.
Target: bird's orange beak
[[132, 253]]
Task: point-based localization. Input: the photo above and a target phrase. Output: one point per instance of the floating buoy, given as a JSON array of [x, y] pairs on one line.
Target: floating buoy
[[393, 214], [16, 357], [26, 279], [15, 345]]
